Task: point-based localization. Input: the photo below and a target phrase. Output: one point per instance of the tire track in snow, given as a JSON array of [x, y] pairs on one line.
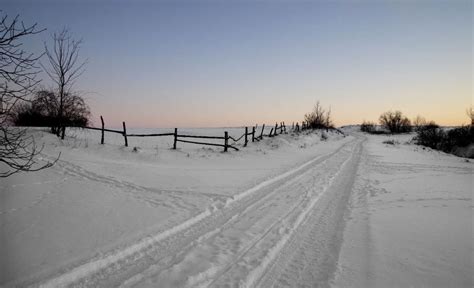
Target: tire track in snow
[[120, 265], [309, 258], [263, 205], [192, 268], [251, 267]]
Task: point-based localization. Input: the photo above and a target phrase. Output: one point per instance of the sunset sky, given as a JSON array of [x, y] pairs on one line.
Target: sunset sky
[[232, 63]]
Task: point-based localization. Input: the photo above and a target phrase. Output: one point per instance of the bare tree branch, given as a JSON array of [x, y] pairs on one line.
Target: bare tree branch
[[18, 71]]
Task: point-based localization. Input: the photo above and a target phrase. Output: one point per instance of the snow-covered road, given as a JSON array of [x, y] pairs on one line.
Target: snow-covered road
[[275, 233], [290, 211]]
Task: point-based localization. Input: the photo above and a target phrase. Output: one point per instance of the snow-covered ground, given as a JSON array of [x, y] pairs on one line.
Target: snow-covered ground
[[411, 221], [294, 210]]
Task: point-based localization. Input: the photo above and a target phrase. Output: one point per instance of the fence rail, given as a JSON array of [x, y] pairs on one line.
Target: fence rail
[[150, 135], [203, 137], [100, 129]]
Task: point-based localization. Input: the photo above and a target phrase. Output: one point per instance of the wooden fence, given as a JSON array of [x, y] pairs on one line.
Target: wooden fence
[[179, 137], [280, 128]]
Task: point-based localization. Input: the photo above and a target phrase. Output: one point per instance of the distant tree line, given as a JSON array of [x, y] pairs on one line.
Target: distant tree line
[[428, 133]]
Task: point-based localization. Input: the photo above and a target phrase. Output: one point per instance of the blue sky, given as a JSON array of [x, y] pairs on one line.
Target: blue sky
[[228, 63]]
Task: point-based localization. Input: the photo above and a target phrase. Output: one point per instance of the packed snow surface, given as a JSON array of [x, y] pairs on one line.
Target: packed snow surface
[[411, 221], [294, 210]]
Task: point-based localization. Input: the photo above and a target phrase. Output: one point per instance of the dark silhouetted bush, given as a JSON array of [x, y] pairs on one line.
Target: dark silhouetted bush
[[368, 127], [419, 122], [395, 122], [319, 118], [431, 135], [460, 137], [43, 111]]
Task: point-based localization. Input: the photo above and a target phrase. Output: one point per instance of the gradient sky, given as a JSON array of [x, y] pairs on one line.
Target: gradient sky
[[232, 63]]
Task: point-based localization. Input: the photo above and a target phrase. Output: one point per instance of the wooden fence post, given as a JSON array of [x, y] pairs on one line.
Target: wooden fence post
[[175, 137], [271, 131], [253, 134], [261, 133], [125, 134], [226, 140], [276, 127], [102, 136], [246, 132]]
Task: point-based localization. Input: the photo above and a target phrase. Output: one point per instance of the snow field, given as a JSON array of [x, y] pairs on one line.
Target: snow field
[[411, 219], [95, 266], [288, 211], [100, 200]]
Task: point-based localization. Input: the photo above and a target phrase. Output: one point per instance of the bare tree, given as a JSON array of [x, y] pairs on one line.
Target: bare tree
[[419, 122], [43, 109], [65, 69], [470, 114], [18, 73], [318, 118], [395, 122], [328, 120]]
